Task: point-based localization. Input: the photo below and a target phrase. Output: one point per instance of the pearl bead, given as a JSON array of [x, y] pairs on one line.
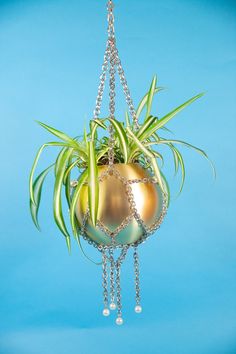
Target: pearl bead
[[138, 309], [112, 306], [119, 321], [106, 312]]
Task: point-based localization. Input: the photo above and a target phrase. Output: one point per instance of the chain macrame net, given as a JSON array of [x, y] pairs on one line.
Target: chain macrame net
[[113, 252]]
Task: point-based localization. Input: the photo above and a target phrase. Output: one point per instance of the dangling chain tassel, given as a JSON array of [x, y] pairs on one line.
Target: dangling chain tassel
[[138, 307], [112, 279], [115, 292], [106, 311], [119, 319]]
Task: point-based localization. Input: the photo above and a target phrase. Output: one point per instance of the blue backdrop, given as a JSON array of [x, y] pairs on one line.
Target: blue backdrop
[[50, 58]]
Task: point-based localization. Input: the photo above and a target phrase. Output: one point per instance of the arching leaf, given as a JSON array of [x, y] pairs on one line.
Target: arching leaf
[[145, 126], [57, 202], [150, 96], [122, 137], [199, 151], [143, 102], [70, 167], [83, 178], [161, 122], [37, 190], [150, 155], [166, 188], [181, 163], [58, 160], [70, 141], [31, 179], [127, 119], [93, 184]]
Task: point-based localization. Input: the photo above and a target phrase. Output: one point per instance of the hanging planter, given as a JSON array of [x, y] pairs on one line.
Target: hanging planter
[[131, 206], [121, 195]]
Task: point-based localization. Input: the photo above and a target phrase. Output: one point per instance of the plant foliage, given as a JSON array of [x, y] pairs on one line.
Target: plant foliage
[[85, 154]]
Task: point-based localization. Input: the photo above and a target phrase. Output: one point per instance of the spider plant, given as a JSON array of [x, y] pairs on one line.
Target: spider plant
[[86, 153]]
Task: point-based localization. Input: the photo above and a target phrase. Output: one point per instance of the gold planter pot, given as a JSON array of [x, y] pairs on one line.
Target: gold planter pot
[[127, 194]]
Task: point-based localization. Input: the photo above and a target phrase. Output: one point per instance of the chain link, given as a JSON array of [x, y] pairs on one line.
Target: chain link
[[137, 281], [126, 90], [118, 290], [112, 275], [110, 19], [118, 286], [111, 62], [101, 86], [104, 279]]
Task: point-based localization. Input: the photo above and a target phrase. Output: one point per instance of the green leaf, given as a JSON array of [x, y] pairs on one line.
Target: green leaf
[[161, 122], [93, 183], [138, 143], [122, 137], [68, 190], [176, 159], [85, 137], [58, 160], [199, 151], [150, 155], [166, 188], [150, 96], [70, 141], [31, 178], [127, 119], [67, 179], [143, 102], [68, 244], [69, 169], [181, 162], [83, 178], [57, 203], [159, 156], [147, 124], [37, 190], [166, 130], [142, 131], [155, 136], [101, 153], [94, 124], [157, 173], [100, 122], [82, 250]]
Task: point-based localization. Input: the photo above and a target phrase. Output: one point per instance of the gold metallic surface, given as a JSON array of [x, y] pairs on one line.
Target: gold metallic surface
[[114, 205]]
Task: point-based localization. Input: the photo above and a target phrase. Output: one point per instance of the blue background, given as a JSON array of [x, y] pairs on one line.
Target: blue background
[[50, 59]]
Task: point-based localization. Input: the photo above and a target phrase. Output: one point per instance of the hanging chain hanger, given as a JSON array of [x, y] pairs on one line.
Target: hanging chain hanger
[[113, 63]]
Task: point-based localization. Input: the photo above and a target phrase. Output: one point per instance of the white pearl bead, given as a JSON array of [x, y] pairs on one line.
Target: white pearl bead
[[112, 306], [138, 309], [106, 312], [119, 321]]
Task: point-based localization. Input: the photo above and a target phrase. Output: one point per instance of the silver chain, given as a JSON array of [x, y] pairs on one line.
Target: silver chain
[[110, 65], [104, 280], [118, 286], [112, 275], [112, 78], [111, 61], [126, 90], [101, 86], [118, 290], [136, 272]]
